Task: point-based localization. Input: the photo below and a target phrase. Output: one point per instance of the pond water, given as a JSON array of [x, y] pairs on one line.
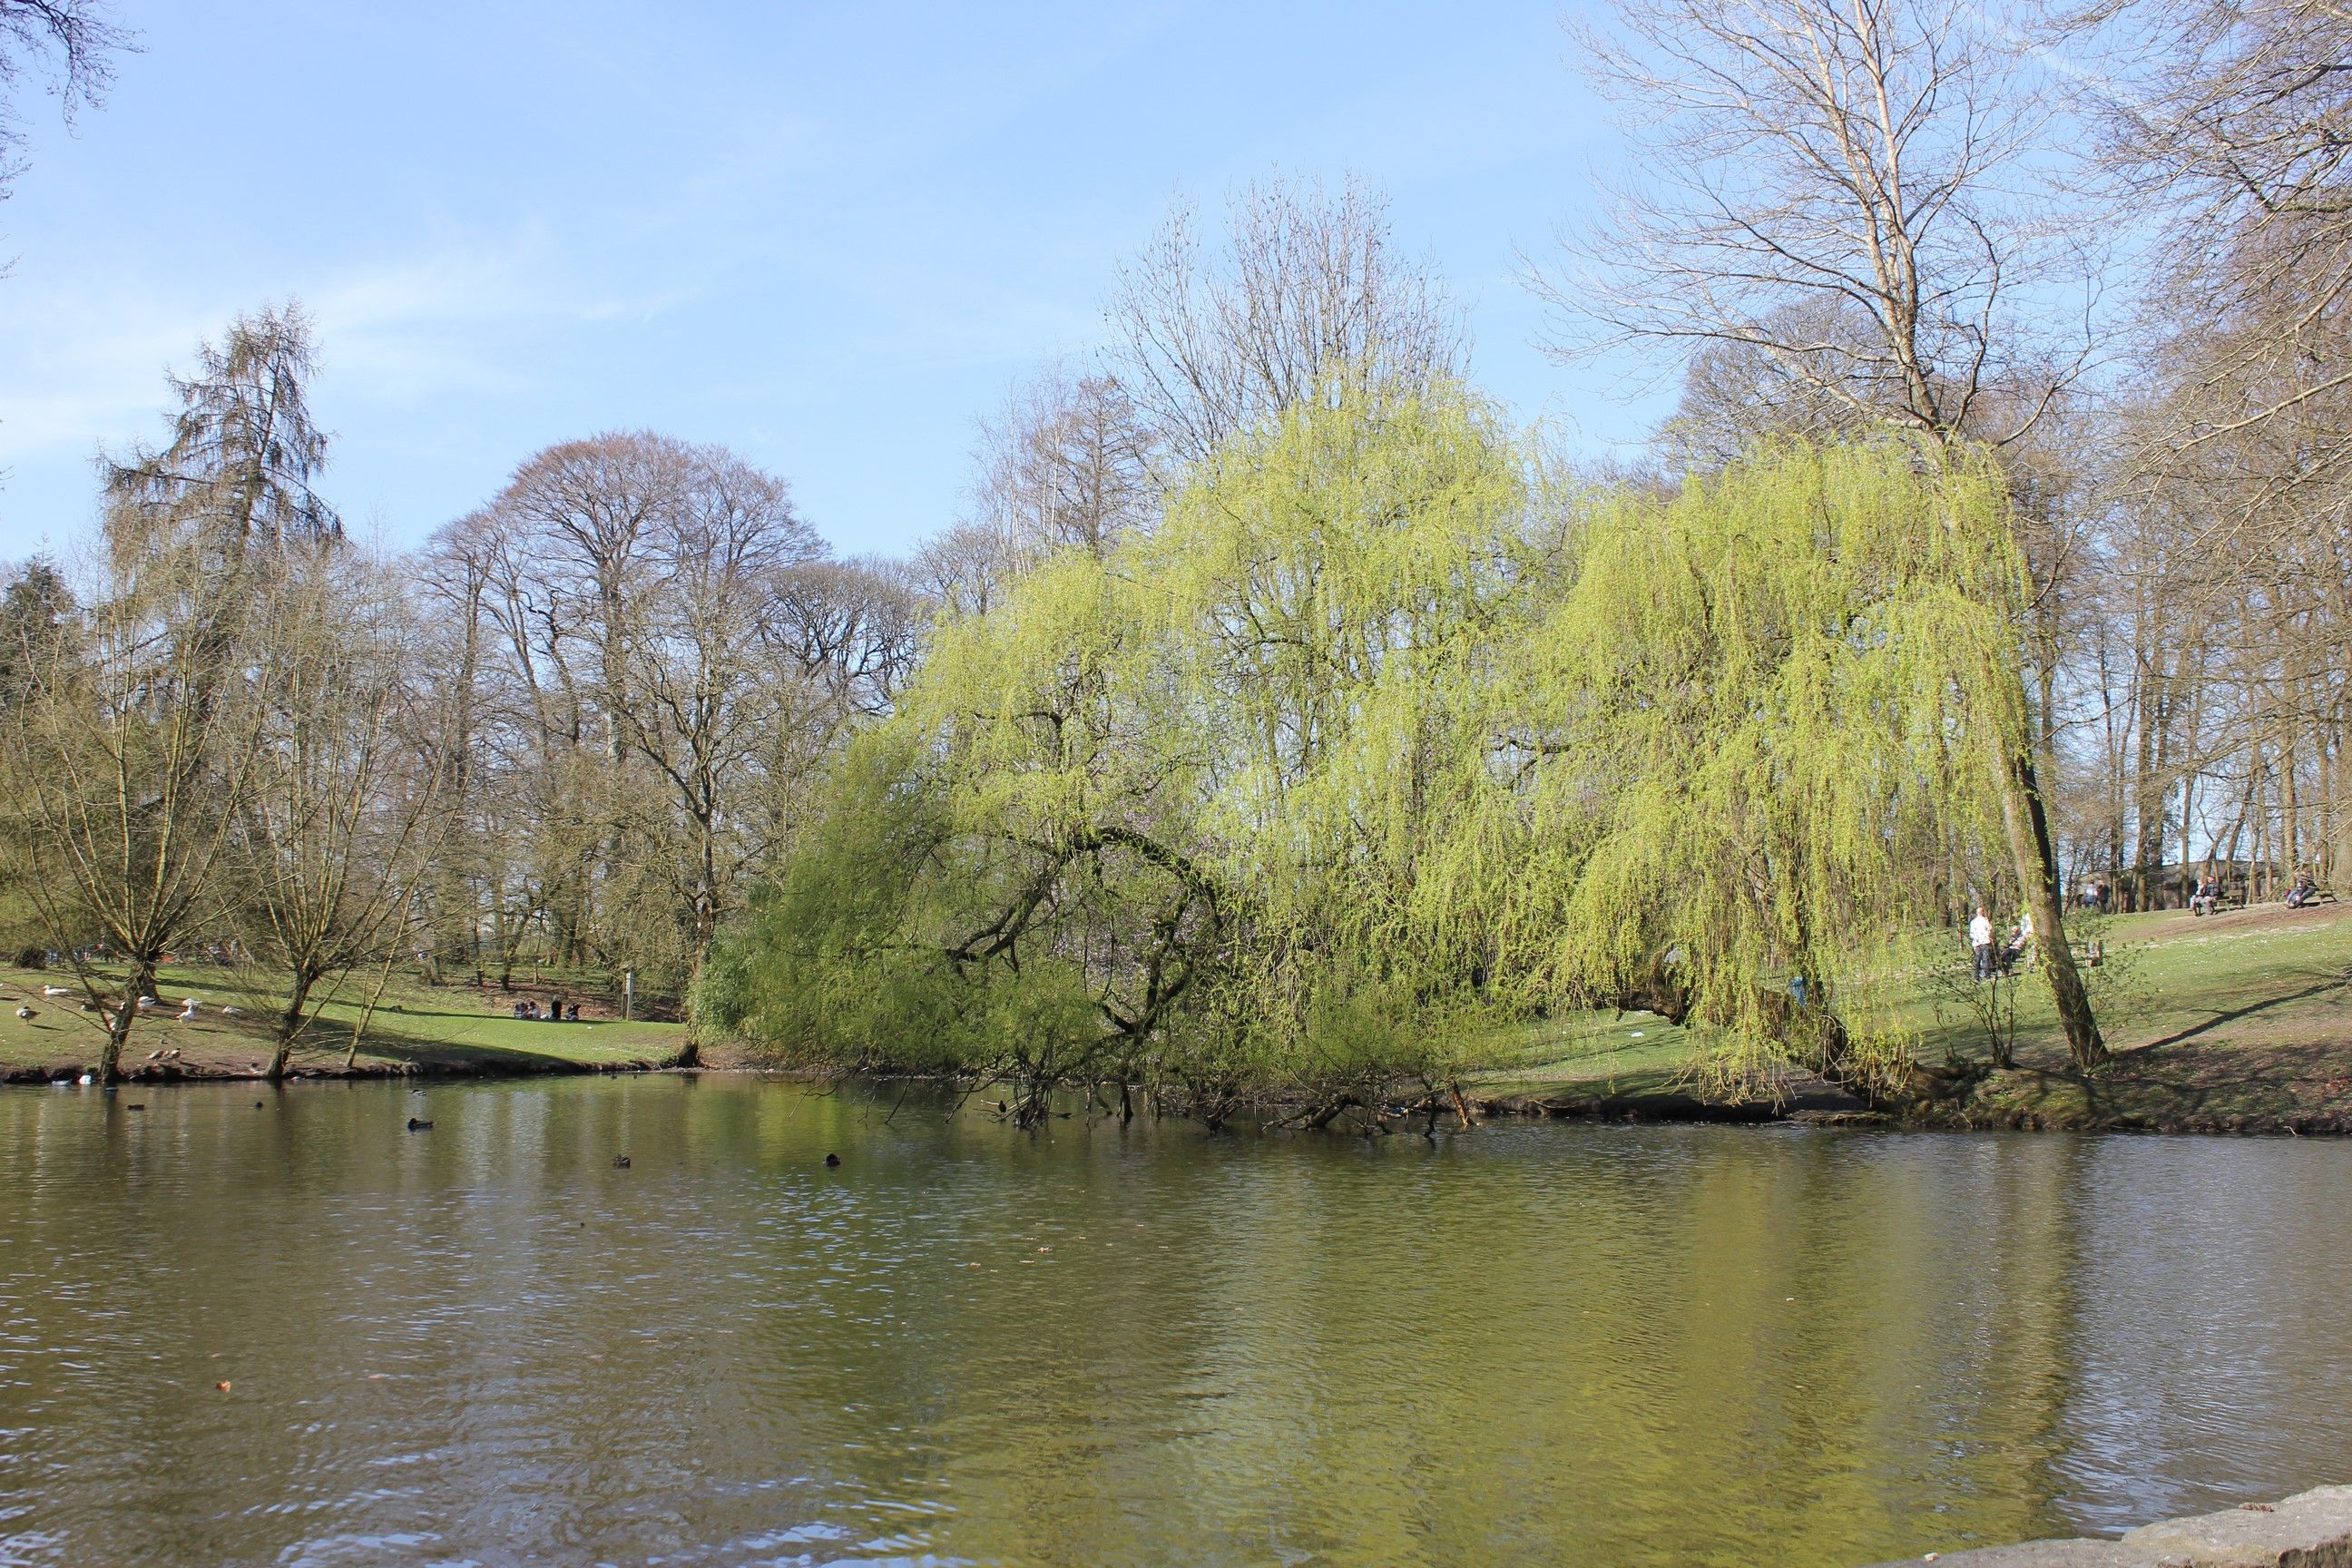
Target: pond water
[[1534, 1343]]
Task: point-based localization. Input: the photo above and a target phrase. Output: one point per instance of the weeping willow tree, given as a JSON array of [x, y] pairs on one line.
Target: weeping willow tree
[[1765, 712], [1155, 819], [1343, 765]]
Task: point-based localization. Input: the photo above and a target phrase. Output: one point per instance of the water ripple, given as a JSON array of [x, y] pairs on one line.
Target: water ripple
[[1532, 1343]]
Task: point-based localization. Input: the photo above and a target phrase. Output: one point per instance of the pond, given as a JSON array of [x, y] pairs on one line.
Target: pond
[[297, 1332]]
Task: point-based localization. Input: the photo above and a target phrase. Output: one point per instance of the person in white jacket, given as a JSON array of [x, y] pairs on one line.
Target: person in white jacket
[[1980, 940]]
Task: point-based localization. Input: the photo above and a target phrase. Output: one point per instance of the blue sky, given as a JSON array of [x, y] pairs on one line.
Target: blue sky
[[828, 235]]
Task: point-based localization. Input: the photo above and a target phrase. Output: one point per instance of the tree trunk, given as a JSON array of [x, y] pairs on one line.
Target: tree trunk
[[2188, 831], [2290, 845], [140, 983], [2028, 824], [289, 1024], [118, 1035], [2147, 853]]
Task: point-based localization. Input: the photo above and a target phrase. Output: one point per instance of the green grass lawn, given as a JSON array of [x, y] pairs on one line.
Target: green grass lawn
[[2260, 985], [2244, 1013], [2256, 974], [415, 1026], [1603, 1053]]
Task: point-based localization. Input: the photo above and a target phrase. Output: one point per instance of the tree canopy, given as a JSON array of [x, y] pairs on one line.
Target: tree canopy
[[1379, 741]]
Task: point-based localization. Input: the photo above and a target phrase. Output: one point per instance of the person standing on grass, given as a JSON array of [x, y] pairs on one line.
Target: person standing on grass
[[1980, 941]]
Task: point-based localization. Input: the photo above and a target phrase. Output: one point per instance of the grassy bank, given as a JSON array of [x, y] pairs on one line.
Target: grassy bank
[[2235, 1022], [416, 1028], [2238, 1022]]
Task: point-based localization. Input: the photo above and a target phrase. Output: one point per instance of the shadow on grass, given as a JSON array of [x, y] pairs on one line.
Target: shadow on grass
[[2215, 1083], [393, 1048], [2317, 988], [2335, 983]]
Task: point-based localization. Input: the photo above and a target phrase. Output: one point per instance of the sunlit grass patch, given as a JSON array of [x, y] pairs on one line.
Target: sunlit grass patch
[[413, 1024]]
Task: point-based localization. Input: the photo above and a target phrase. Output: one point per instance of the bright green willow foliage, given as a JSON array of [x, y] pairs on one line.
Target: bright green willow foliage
[[1341, 766], [1172, 801], [1750, 737]]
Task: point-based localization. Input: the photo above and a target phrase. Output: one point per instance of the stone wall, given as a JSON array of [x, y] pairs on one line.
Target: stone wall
[[2310, 1530]]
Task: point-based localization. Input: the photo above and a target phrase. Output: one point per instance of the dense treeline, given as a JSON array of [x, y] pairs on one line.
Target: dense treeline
[[1278, 715]]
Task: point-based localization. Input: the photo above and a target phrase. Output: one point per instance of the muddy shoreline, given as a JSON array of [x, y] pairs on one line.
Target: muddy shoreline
[[2017, 1100]]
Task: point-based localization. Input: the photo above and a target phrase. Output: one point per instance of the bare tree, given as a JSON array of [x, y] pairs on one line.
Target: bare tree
[[66, 43], [130, 759], [587, 512], [347, 799], [850, 633], [510, 739], [1844, 189], [240, 473], [1307, 287], [137, 738], [698, 708], [1063, 463], [966, 568], [1737, 392], [2233, 120], [2238, 114], [628, 695]]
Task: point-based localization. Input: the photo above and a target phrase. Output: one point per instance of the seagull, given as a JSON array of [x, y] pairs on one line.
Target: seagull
[[232, 1012], [56, 991], [188, 1012]]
